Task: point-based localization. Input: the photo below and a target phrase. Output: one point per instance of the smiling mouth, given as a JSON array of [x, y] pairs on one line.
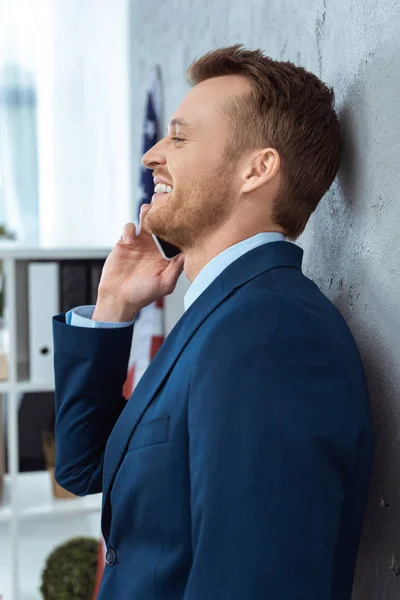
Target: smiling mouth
[[162, 189]]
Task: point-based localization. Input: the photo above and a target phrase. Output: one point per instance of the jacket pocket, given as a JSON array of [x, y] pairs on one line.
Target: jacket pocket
[[150, 433]]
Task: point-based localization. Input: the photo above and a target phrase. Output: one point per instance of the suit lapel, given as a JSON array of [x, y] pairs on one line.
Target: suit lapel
[[248, 266]]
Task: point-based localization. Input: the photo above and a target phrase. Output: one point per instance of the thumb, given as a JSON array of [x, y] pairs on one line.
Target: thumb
[[170, 275]]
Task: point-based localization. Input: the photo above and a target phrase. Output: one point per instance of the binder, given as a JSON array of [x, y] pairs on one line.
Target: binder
[[35, 417], [74, 284], [43, 302]]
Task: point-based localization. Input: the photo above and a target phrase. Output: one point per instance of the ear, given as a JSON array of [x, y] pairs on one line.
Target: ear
[[262, 167]]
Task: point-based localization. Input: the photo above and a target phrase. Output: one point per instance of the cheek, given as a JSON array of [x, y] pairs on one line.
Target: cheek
[[185, 165], [194, 168]]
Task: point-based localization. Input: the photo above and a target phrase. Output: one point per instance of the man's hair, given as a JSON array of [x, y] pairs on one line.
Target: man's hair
[[288, 109]]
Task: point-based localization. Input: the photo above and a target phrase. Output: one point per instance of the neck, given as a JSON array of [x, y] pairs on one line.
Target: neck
[[204, 250]]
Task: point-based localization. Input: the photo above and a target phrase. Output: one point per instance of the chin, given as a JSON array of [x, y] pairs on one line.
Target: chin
[[154, 224]]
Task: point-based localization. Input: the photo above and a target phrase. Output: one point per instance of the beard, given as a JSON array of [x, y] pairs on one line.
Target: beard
[[193, 210]]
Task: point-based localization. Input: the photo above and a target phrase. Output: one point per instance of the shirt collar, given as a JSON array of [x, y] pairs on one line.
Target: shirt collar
[[220, 262]]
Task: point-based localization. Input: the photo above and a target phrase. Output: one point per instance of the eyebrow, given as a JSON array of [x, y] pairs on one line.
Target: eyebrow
[[180, 122]]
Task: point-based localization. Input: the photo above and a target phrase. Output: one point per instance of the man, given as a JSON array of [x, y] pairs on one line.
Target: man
[[239, 468]]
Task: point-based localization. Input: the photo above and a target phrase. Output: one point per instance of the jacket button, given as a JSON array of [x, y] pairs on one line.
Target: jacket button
[[111, 557]]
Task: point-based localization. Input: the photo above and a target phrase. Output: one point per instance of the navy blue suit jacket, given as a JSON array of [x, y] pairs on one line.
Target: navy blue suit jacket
[[239, 468]]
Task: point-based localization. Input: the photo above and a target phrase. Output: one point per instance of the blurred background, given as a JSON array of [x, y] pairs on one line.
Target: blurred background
[[66, 191], [85, 88]]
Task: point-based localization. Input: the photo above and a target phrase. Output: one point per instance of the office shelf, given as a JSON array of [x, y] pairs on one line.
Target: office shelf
[[32, 521]]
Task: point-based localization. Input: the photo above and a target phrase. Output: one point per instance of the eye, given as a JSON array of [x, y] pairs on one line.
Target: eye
[[177, 139]]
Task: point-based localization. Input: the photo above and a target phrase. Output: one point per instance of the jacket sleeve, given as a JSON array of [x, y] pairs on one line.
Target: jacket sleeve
[[268, 460], [90, 367]]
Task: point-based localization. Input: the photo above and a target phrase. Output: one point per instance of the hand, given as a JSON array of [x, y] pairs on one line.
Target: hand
[[134, 275]]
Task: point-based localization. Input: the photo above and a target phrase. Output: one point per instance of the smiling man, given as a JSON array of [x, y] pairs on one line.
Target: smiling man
[[239, 468]]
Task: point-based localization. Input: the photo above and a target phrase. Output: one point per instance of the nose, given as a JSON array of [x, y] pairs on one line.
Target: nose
[[154, 157]]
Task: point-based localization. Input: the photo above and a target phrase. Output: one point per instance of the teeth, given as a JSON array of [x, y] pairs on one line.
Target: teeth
[[162, 187]]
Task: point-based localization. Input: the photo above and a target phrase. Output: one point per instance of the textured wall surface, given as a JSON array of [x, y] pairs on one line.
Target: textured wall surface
[[352, 246]]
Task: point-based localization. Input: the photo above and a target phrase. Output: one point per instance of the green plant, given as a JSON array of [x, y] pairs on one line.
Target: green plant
[[6, 233], [70, 570]]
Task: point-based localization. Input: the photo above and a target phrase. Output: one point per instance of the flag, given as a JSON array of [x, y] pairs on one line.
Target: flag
[[149, 323]]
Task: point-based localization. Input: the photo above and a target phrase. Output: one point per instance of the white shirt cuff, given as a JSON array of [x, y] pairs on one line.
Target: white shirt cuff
[[82, 317]]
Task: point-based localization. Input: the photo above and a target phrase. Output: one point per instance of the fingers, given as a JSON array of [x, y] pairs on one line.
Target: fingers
[[129, 233], [171, 274]]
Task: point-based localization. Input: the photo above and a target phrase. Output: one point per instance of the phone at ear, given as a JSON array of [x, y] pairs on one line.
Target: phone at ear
[[167, 250]]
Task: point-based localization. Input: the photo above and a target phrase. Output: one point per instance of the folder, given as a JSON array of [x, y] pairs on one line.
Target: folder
[[43, 302], [74, 284]]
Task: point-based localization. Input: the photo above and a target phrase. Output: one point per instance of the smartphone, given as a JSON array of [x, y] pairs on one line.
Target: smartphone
[[167, 250]]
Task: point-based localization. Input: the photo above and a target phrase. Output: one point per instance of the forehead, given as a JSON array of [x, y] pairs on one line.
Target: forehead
[[201, 106]]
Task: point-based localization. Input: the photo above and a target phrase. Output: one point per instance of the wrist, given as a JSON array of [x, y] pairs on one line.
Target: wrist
[[112, 312]]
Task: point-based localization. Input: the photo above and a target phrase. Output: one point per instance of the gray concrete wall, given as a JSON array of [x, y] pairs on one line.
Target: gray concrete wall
[[352, 246]]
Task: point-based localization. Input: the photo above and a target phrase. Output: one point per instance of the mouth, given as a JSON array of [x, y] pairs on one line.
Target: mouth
[[162, 190]]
